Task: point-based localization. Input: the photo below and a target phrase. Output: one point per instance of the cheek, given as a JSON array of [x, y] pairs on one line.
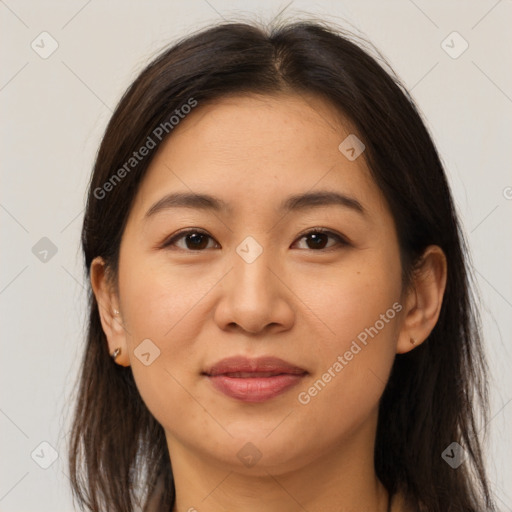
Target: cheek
[[360, 312], [353, 297], [156, 296], [163, 307]]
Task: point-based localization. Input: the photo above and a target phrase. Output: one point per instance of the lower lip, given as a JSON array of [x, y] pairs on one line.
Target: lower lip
[[255, 389]]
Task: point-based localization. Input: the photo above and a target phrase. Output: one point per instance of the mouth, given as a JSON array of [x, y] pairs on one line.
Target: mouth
[[254, 380]]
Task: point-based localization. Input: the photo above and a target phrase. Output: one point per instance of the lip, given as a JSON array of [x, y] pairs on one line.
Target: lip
[[254, 380]]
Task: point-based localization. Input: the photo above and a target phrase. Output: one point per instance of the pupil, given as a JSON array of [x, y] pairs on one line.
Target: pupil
[[317, 240], [196, 239]]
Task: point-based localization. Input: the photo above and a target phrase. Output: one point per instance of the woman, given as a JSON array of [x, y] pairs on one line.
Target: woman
[[281, 317]]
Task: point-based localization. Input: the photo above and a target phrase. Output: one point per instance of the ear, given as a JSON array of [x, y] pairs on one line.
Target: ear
[[108, 305], [424, 299]]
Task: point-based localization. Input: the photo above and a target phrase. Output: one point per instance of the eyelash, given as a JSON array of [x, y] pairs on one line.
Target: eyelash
[[342, 241]]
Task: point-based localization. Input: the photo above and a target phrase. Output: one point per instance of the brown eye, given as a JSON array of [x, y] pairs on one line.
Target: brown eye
[[318, 239], [194, 240]]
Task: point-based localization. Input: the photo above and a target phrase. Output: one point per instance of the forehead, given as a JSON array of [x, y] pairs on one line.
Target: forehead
[[254, 127], [253, 150]]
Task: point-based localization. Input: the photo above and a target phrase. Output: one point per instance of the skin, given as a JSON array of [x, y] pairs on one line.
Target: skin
[[297, 302]]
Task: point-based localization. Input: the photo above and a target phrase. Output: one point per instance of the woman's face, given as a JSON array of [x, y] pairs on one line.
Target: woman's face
[[249, 282]]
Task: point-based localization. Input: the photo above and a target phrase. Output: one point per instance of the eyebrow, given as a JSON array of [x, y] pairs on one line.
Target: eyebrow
[[296, 202]]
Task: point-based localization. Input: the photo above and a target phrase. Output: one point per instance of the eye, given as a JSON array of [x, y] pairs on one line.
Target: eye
[[318, 239], [194, 239], [197, 240]]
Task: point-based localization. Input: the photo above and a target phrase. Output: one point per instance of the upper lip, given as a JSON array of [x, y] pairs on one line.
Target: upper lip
[[267, 365]]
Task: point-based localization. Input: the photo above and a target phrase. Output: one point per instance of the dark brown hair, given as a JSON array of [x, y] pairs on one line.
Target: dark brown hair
[[118, 451]]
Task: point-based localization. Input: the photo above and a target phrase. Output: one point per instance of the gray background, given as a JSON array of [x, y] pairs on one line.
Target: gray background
[[54, 111]]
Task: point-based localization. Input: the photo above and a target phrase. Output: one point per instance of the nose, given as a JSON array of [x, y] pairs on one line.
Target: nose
[[256, 297]]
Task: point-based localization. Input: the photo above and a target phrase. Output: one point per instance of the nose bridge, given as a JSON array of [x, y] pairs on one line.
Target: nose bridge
[[253, 297], [253, 278]]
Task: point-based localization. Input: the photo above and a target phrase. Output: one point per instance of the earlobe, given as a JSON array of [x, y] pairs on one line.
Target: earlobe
[[424, 299], [108, 308]]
